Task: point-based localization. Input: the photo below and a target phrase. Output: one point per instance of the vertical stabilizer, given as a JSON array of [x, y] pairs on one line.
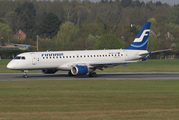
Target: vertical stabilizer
[[140, 42]]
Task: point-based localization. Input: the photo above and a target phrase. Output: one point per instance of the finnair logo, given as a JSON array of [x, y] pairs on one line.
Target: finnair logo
[[145, 33]]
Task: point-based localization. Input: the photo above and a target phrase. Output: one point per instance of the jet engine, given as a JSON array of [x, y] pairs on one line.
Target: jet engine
[[79, 70], [49, 71]]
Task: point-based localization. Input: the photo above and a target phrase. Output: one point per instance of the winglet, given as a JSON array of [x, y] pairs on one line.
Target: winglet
[[50, 49]]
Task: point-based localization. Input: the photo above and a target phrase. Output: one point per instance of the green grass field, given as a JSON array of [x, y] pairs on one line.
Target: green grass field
[[93, 99], [89, 100], [146, 66]]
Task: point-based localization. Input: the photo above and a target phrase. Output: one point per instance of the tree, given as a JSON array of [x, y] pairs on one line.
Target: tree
[[123, 32], [91, 28], [126, 3], [27, 13], [14, 21], [108, 41], [49, 26], [57, 9], [81, 13], [5, 31], [91, 41], [153, 43], [64, 33]]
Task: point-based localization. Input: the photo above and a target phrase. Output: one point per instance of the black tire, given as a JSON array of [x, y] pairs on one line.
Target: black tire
[[92, 74], [70, 74], [24, 76]]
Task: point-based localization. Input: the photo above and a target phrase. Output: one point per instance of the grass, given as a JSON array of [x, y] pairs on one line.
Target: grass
[[146, 66], [149, 66], [89, 100]]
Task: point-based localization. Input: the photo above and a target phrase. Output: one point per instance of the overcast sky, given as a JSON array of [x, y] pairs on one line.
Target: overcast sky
[[171, 2]]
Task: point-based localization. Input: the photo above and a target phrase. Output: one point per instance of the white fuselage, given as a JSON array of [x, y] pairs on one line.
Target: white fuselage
[[63, 60]]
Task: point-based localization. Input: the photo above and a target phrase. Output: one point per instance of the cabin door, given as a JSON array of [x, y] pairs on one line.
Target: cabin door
[[125, 55], [34, 59]]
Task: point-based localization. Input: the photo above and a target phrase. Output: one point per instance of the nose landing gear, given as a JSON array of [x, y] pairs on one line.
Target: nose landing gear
[[25, 73]]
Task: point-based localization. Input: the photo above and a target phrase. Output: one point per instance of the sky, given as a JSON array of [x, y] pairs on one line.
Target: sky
[[171, 2]]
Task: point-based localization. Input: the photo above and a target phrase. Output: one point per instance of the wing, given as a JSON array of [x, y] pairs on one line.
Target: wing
[[110, 64], [100, 65]]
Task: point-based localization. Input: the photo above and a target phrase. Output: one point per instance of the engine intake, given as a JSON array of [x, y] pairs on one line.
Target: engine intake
[[49, 71], [79, 70]]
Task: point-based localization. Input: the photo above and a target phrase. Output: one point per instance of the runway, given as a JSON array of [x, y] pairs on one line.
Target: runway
[[100, 76]]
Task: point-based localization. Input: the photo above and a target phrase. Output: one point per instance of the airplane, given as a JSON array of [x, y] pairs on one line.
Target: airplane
[[84, 62]]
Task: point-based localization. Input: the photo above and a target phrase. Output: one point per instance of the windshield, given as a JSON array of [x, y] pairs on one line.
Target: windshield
[[19, 57]]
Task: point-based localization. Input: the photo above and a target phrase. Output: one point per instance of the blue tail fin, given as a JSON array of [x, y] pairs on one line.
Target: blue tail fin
[[140, 42]]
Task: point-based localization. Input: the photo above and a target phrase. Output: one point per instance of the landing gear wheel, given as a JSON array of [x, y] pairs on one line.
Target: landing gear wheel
[[25, 76], [25, 73], [70, 74], [92, 74]]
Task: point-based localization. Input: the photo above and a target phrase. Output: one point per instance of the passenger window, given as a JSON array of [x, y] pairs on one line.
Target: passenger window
[[94, 55], [121, 54], [73, 56]]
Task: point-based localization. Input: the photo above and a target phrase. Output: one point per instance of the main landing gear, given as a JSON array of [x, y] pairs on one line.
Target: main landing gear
[[92, 74], [25, 73], [70, 74]]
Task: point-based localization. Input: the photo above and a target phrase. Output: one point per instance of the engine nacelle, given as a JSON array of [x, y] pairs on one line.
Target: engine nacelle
[[49, 71], [79, 70]]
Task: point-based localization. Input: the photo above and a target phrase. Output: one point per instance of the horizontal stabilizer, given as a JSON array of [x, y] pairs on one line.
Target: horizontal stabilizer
[[160, 51]]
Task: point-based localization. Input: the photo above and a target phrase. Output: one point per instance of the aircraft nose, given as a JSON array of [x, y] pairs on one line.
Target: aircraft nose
[[11, 65]]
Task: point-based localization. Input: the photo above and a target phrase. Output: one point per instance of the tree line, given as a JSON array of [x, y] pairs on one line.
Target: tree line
[[74, 25]]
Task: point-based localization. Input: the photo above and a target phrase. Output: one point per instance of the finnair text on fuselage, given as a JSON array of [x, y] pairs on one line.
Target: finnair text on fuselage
[[51, 54]]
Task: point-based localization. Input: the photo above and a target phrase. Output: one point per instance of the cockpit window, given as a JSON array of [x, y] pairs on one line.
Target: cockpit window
[[23, 57], [17, 57]]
